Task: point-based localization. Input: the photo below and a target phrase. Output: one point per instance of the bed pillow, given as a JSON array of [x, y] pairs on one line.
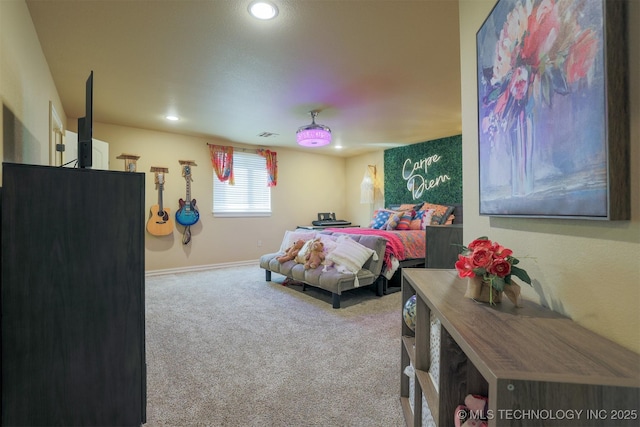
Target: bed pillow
[[410, 206], [350, 254], [400, 220], [421, 219], [393, 221], [329, 241], [416, 221], [380, 218], [426, 219], [441, 212], [292, 236]]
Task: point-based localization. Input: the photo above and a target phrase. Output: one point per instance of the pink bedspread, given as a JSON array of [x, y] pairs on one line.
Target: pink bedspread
[[403, 245]]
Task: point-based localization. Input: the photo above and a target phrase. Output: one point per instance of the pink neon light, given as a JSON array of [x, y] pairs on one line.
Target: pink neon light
[[313, 137]]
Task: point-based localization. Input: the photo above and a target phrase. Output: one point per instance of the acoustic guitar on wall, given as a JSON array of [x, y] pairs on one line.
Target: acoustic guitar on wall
[[160, 222], [187, 214]]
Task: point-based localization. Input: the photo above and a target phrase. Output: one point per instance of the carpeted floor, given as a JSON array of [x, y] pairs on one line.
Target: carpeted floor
[[226, 348]]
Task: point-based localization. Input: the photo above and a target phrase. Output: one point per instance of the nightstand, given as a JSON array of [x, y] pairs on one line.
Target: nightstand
[[444, 243]]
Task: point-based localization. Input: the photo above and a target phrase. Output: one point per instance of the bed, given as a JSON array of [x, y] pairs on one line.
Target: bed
[[374, 255], [405, 247]]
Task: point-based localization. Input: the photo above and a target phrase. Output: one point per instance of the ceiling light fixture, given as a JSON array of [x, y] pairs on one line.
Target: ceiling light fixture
[[313, 135], [263, 10], [172, 118]]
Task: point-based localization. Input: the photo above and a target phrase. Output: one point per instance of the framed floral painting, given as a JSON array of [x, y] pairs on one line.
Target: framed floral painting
[[553, 120]]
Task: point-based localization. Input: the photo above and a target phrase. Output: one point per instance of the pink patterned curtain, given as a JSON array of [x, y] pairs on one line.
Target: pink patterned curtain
[[272, 166], [222, 162]]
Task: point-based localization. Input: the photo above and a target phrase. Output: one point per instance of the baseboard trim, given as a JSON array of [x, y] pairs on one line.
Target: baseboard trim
[[151, 273]]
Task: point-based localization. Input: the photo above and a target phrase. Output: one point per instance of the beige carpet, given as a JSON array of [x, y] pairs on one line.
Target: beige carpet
[[226, 348]]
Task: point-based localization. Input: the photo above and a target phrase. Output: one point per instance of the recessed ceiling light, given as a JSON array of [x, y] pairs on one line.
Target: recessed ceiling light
[[263, 9], [172, 118]]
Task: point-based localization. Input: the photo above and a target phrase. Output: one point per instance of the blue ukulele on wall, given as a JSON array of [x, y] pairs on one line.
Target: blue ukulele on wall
[[187, 214]]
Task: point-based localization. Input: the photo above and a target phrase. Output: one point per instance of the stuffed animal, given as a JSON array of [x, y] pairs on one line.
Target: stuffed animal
[[314, 258], [473, 413], [291, 252], [477, 404]]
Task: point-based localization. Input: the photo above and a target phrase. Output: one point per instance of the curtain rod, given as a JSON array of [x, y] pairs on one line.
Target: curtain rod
[[244, 150]]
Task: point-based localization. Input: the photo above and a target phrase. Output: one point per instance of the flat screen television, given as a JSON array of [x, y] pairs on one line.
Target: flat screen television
[[85, 128]]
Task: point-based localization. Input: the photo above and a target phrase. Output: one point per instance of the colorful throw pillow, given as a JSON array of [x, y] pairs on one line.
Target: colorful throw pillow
[[380, 218], [441, 212], [426, 218], [404, 223], [393, 221], [350, 254], [410, 206], [416, 221]]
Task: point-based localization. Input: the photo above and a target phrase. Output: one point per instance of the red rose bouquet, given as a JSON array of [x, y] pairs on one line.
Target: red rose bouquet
[[491, 262]]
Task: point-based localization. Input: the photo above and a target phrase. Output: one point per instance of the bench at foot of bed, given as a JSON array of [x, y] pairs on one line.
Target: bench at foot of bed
[[329, 278], [332, 281]]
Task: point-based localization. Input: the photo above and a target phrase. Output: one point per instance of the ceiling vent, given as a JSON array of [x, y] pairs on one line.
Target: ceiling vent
[[266, 134]]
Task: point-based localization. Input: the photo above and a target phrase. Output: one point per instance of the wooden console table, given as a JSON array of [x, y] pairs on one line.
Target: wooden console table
[[537, 368]]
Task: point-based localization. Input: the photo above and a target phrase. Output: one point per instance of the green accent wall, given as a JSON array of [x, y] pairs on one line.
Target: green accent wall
[[428, 171]]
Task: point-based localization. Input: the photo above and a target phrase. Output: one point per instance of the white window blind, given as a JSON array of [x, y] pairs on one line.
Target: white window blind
[[250, 196]]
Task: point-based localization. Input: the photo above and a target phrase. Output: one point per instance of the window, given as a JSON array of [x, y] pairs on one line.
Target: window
[[250, 196]]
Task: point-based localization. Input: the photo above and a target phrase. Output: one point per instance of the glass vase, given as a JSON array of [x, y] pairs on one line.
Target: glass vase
[[521, 134]]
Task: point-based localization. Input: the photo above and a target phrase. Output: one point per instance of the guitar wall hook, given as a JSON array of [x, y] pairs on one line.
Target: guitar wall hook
[[130, 160]]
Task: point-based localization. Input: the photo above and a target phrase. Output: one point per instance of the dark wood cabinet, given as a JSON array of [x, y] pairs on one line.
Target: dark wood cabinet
[[73, 350], [443, 245]]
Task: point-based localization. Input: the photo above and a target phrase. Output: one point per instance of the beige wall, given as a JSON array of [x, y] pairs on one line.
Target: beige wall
[[588, 270], [358, 213], [26, 85], [307, 184]]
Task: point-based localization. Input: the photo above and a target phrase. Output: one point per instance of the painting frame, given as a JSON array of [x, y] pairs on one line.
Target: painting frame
[[553, 110]]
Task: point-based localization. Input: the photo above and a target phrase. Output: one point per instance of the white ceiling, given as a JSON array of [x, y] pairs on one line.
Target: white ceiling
[[383, 73]]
